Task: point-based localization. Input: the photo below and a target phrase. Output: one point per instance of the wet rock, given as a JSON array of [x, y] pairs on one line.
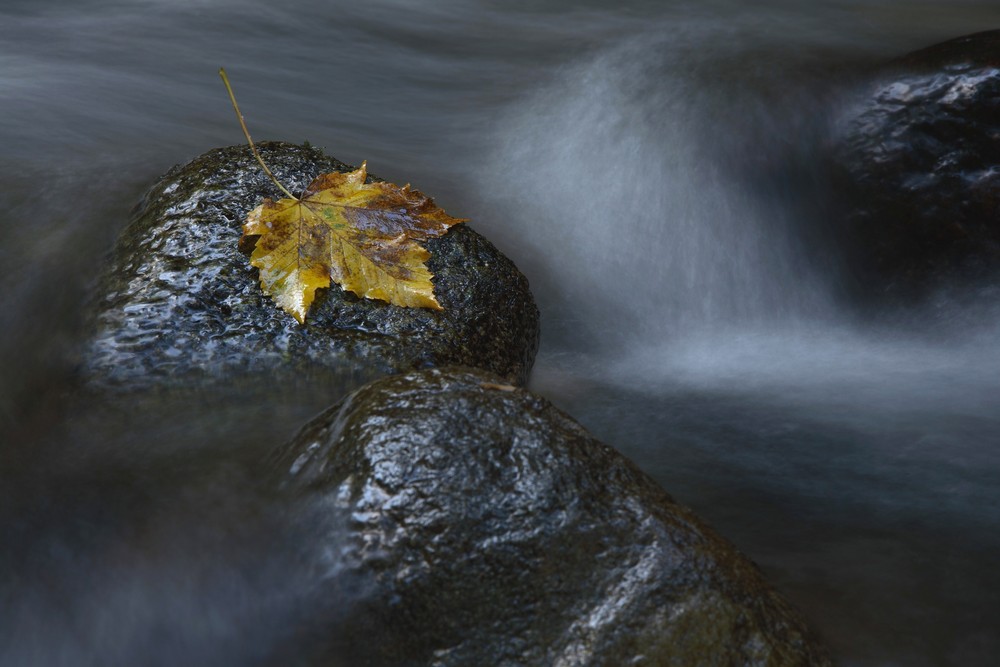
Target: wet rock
[[919, 158], [497, 531], [181, 300]]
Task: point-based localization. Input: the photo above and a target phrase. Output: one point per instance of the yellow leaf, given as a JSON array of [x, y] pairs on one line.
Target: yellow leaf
[[363, 236]]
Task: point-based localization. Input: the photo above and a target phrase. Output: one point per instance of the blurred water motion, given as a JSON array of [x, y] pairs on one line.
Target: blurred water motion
[[648, 167]]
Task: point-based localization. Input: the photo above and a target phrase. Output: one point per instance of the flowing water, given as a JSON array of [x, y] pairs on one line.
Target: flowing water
[[651, 167]]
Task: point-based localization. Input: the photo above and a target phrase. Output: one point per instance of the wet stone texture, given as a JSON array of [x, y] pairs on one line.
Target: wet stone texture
[[181, 300], [919, 155], [497, 531]]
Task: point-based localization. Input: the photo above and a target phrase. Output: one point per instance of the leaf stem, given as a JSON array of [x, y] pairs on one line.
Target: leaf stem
[[246, 133]]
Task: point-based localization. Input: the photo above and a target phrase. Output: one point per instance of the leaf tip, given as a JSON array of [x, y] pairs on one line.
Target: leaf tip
[[432, 302], [297, 304]]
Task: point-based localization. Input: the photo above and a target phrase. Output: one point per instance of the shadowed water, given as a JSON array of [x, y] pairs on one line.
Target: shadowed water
[[653, 168]]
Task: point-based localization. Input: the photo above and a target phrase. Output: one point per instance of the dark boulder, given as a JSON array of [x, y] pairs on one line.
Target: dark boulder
[[919, 159], [492, 529], [181, 300]]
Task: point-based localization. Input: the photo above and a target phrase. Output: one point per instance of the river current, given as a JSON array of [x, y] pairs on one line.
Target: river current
[[648, 165]]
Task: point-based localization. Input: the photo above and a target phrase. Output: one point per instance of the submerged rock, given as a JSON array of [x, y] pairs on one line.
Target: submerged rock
[[920, 158], [181, 300], [494, 530]]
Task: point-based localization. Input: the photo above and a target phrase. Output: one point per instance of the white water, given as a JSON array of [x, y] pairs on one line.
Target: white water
[[699, 329], [649, 167], [622, 175]]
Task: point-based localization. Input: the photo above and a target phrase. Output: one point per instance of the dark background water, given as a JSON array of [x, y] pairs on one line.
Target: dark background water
[[649, 166]]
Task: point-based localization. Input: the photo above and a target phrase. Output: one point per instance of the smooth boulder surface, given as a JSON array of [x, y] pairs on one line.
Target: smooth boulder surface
[[181, 300], [919, 158], [492, 529]]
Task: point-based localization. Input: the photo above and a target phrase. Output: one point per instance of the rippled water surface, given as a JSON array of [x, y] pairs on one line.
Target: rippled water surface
[[651, 166]]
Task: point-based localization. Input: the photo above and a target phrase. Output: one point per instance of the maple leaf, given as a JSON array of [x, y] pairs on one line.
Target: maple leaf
[[363, 236]]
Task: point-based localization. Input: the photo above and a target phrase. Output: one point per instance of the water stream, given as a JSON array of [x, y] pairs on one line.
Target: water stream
[[653, 168]]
